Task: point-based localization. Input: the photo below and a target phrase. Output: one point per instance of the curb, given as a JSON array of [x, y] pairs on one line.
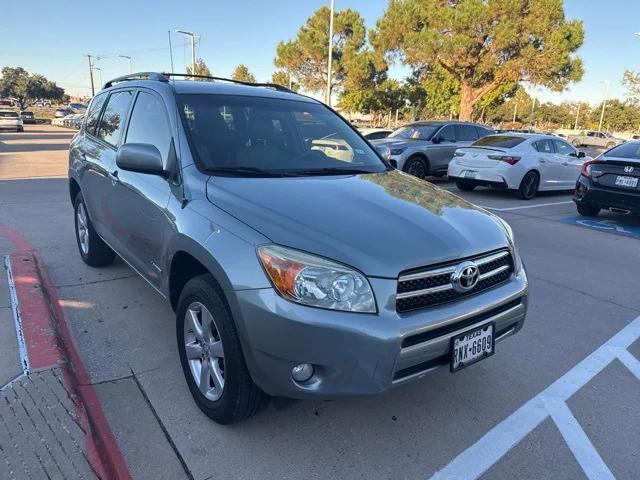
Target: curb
[[50, 343]]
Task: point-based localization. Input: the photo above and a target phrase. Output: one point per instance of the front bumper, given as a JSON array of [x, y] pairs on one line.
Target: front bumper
[[362, 354], [589, 193]]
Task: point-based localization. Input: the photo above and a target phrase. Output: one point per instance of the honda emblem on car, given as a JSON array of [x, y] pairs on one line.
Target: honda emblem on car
[[465, 277], [628, 169]]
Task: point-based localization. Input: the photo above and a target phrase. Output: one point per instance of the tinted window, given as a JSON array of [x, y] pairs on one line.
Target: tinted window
[[9, 114], [113, 117], [544, 146], [466, 133], [563, 148], [501, 141], [590, 134], [483, 132], [626, 150], [94, 112], [149, 124], [376, 135], [447, 134], [415, 132], [230, 134]]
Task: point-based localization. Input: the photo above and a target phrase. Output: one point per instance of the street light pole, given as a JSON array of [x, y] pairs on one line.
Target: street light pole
[[193, 49], [93, 90], [129, 59], [604, 103], [328, 99]]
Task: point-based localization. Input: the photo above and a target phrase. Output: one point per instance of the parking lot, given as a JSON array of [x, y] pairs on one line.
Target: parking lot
[[558, 400]]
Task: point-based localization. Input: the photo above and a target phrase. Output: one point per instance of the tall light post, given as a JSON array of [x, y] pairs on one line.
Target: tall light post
[[604, 103], [99, 75], [193, 48], [129, 59], [328, 99]]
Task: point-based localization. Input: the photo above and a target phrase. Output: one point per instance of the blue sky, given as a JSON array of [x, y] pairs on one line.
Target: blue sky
[[52, 38]]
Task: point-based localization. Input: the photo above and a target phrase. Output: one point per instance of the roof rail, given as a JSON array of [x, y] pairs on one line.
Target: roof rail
[[138, 76], [275, 86]]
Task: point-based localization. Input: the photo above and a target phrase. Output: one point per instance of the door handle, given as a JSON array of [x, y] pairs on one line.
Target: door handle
[[565, 163], [542, 160]]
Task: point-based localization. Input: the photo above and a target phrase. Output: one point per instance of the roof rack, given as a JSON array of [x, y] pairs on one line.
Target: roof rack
[[275, 86], [138, 76], [165, 76]]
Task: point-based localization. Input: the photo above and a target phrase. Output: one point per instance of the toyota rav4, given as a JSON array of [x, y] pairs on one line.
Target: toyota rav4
[[298, 261]]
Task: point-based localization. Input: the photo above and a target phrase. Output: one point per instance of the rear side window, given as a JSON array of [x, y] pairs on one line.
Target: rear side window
[[501, 141], [544, 146], [466, 133], [113, 117], [149, 124], [93, 114], [626, 150]]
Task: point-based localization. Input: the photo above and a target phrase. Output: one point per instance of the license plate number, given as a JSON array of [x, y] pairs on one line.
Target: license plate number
[[471, 347], [470, 174], [631, 182]]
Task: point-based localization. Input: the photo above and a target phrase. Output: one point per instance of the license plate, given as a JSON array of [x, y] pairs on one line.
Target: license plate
[[471, 347], [470, 174], [631, 182]]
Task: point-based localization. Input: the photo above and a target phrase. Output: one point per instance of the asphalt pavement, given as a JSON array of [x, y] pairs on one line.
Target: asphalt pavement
[[544, 406]]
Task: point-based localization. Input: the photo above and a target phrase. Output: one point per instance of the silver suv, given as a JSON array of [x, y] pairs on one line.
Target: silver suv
[[426, 148], [271, 226]]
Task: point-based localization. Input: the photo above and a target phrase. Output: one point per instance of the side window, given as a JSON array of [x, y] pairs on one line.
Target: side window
[[590, 134], [483, 132], [466, 133], [564, 148], [149, 124], [447, 134], [113, 117], [544, 146], [93, 113]]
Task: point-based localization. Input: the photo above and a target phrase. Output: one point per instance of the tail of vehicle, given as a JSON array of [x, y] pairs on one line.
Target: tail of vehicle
[[484, 157]]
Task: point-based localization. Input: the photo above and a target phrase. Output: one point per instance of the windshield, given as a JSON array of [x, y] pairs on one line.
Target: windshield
[[415, 132], [501, 141], [9, 114], [256, 136]]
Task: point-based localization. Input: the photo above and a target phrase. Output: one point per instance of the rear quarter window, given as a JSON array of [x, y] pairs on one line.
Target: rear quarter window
[[501, 141]]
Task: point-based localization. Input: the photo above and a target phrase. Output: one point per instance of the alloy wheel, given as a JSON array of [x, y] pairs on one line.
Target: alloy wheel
[[83, 230]]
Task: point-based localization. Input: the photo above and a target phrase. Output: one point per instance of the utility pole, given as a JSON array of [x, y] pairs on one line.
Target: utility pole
[[515, 111], [193, 49], [328, 99], [129, 59], [575, 126], [93, 90], [604, 103], [533, 108]]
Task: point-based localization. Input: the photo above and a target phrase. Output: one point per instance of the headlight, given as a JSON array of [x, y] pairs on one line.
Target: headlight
[[315, 281], [517, 261], [397, 151], [384, 152]]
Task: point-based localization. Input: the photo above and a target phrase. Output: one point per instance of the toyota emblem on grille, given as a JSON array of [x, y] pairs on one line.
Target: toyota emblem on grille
[[628, 169], [465, 277]]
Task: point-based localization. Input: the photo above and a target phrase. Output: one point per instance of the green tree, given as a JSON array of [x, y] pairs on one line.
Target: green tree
[[306, 56], [483, 44], [631, 80], [242, 74], [17, 83], [618, 116], [283, 78], [200, 69]]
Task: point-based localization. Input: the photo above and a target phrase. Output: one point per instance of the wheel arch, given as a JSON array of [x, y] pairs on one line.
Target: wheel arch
[[419, 155], [74, 189]]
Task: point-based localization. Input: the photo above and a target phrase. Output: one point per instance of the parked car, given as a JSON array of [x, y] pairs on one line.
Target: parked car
[[521, 162], [611, 181], [73, 121], [375, 133], [594, 139], [63, 112], [10, 120], [27, 117], [425, 148], [77, 106], [276, 255]]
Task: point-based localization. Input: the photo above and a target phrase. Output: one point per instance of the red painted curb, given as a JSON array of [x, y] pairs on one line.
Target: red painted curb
[[50, 343]]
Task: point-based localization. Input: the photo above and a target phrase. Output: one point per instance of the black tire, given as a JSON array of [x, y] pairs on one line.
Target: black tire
[[588, 210], [240, 398], [97, 253], [465, 185], [529, 185], [416, 166]]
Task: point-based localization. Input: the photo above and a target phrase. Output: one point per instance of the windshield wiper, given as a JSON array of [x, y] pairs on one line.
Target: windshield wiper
[[245, 172]]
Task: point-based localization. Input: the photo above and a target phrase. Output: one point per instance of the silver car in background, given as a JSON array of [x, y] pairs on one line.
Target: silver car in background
[[425, 148]]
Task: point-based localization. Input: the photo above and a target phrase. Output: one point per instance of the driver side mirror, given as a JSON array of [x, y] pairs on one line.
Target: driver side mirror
[[141, 158], [581, 154], [435, 140]]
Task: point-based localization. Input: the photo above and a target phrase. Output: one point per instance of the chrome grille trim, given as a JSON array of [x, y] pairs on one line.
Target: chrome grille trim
[[443, 270], [425, 291], [494, 272]]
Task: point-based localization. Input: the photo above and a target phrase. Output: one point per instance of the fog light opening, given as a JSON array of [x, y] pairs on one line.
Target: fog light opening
[[302, 372]]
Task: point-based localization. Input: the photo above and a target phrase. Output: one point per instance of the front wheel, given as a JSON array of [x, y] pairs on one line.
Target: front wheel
[[587, 210], [465, 185], [211, 355], [93, 250], [417, 167], [529, 186]]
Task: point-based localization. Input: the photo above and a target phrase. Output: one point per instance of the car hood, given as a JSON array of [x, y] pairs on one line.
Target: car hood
[[379, 223]]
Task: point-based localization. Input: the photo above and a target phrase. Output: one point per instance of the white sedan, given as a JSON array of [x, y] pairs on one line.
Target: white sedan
[[526, 163]]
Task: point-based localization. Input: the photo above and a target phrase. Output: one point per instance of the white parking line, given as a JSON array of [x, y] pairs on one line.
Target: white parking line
[[487, 451], [526, 206], [15, 308]]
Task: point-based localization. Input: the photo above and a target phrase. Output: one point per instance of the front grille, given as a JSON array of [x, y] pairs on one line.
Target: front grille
[[429, 287]]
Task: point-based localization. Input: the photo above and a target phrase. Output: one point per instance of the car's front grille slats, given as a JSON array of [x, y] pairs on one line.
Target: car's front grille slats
[[429, 287]]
